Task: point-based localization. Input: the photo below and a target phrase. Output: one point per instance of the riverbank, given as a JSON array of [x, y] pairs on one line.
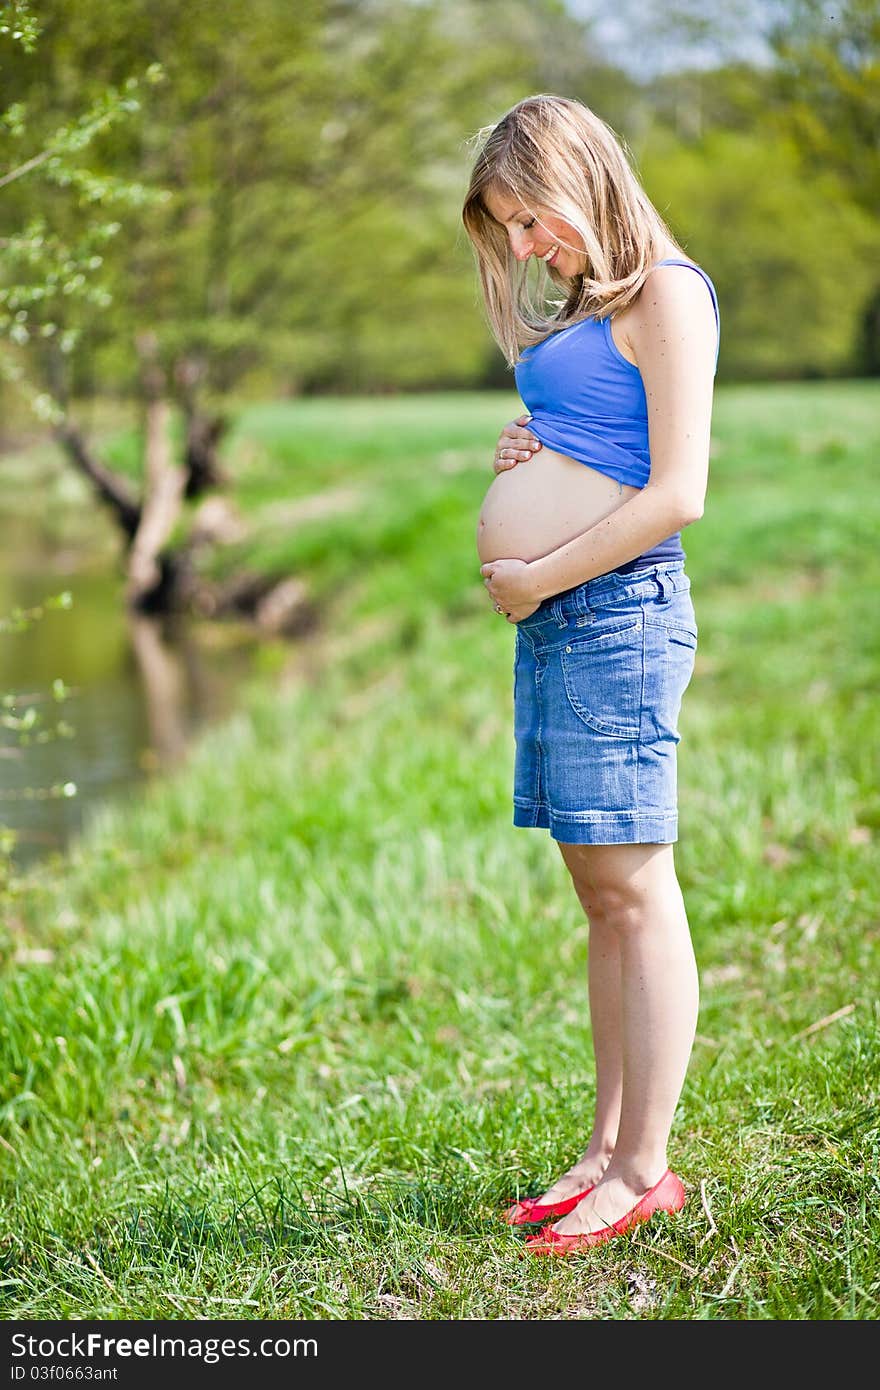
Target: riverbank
[[281, 1038]]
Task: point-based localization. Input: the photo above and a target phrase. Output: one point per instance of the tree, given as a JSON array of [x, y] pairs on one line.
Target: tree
[[50, 272], [829, 82], [791, 257], [829, 77], [314, 156]]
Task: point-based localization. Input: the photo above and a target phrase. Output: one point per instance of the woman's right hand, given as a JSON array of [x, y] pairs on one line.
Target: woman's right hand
[[516, 444]]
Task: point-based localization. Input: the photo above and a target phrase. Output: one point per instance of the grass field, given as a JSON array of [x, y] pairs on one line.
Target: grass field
[[278, 1042]]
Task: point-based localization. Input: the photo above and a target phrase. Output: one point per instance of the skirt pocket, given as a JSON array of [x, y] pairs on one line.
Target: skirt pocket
[[670, 665], [603, 676]]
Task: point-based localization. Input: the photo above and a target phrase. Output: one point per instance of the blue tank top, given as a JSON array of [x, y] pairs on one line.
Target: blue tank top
[[587, 401]]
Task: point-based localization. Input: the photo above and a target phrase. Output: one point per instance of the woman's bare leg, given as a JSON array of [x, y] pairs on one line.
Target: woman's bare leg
[[603, 964], [633, 900]]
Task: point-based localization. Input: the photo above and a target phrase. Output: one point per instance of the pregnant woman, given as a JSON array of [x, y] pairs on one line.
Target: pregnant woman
[[615, 350]]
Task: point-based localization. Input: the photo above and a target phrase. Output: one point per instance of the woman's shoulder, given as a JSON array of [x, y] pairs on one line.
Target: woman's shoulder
[[674, 269], [675, 285], [677, 298]]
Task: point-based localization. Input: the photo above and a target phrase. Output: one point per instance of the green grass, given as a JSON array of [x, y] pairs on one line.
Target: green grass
[[278, 1040]]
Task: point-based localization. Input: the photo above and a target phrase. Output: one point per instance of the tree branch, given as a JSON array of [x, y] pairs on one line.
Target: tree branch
[[111, 489]]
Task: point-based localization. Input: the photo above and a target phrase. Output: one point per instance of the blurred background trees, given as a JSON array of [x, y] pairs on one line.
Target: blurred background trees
[[313, 158]]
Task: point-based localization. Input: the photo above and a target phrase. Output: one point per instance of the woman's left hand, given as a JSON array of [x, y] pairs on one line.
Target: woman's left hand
[[510, 588]]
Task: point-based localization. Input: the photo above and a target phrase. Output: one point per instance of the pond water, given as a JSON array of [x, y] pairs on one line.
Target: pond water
[[141, 688]]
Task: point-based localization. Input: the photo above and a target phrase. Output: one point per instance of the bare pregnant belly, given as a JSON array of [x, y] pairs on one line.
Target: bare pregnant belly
[[537, 506]]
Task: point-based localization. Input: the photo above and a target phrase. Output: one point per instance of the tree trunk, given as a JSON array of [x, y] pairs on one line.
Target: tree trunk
[[164, 486]]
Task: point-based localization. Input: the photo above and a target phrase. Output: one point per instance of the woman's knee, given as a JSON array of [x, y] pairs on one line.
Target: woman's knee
[[619, 886]]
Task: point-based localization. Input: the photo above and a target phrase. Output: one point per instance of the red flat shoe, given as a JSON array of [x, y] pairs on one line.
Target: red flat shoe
[[529, 1209], [666, 1195]]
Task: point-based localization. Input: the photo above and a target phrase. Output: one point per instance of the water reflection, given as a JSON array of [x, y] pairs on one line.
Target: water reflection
[[142, 687]]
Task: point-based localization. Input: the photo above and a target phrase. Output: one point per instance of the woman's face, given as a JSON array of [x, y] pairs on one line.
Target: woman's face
[[536, 232]]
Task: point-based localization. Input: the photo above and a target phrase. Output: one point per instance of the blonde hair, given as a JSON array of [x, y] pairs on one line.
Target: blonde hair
[[556, 154]]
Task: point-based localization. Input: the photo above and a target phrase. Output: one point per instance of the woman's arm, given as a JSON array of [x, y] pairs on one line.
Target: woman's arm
[[673, 336]]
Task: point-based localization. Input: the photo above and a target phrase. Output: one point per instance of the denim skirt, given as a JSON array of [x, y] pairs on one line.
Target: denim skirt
[[599, 675]]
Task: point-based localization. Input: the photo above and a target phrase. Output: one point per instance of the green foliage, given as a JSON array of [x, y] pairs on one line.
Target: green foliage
[[18, 23], [48, 282], [794, 277], [311, 233], [829, 79], [313, 158]]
